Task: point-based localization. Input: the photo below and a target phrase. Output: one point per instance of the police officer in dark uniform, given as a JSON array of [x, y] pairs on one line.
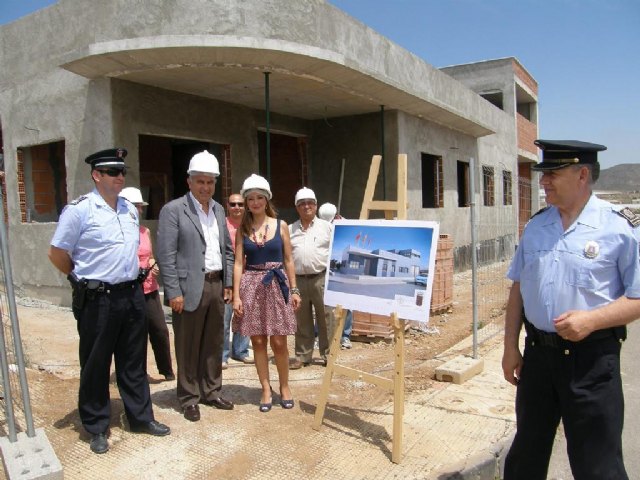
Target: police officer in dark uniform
[[576, 284], [95, 245]]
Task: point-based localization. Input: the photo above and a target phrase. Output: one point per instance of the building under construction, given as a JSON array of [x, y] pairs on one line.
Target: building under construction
[[299, 92]]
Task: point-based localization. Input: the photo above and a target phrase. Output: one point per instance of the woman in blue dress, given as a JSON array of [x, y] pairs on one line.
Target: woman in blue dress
[[265, 296]]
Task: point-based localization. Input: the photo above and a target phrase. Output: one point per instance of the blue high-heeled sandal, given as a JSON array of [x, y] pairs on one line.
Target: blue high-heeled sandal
[[266, 407], [286, 404]]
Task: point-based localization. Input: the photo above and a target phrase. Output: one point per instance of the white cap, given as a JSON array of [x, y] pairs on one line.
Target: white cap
[[256, 182], [327, 211], [305, 194], [133, 195], [204, 163]]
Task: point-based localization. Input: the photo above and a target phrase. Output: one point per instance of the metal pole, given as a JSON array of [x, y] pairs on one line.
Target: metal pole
[[384, 180], [341, 183], [268, 119], [15, 328], [474, 255], [6, 385]]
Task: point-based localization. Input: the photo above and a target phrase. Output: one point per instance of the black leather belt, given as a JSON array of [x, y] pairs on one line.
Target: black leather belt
[[102, 287], [553, 340], [215, 275]]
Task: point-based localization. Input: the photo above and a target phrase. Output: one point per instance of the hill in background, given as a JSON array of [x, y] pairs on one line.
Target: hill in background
[[622, 178]]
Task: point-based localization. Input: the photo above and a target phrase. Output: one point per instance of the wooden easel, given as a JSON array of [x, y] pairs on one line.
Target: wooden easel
[[395, 384]]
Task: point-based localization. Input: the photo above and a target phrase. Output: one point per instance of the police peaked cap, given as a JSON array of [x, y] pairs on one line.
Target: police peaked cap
[[562, 153], [112, 157]]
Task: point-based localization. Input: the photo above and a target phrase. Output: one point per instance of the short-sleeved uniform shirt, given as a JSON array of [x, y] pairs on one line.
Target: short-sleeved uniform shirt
[[103, 243], [592, 263]]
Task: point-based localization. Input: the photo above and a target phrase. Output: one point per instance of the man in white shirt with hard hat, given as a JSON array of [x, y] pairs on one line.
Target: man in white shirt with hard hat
[[310, 239], [196, 259]]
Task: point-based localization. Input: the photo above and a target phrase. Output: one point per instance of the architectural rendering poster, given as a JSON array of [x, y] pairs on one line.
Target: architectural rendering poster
[[382, 267]]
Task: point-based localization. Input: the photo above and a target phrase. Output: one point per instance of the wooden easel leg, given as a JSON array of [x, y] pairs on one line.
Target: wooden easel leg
[[339, 315], [398, 389]]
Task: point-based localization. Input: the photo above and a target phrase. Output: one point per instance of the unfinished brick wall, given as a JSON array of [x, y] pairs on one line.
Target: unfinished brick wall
[[22, 194], [524, 77], [527, 133]]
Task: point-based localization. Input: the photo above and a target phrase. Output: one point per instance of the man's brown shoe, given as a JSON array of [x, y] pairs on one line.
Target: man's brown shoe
[[219, 403], [297, 364], [192, 413]]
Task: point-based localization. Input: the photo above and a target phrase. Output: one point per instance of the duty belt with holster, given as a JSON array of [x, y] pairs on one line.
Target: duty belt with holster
[[553, 340], [84, 289]]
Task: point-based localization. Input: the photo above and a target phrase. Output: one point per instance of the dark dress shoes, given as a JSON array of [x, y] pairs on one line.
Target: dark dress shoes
[[151, 428], [220, 403], [99, 443], [192, 413]]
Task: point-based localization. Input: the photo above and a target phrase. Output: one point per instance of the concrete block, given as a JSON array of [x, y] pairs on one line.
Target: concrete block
[[459, 369], [30, 458]]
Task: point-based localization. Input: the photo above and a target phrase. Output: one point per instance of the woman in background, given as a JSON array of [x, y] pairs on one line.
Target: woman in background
[[156, 324]]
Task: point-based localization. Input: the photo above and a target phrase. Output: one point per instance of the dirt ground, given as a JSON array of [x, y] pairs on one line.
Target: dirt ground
[[50, 343]]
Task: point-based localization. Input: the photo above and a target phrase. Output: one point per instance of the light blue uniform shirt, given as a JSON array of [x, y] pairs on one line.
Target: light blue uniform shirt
[[103, 243], [592, 263]]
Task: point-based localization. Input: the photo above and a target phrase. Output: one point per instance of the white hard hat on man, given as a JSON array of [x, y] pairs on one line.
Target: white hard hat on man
[[204, 163], [305, 193]]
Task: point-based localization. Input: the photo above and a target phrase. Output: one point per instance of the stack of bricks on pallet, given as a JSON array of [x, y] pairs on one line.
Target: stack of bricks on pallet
[[442, 293]]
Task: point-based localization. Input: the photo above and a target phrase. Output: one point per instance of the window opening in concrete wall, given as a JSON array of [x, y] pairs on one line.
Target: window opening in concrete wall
[[507, 197], [488, 186], [164, 162], [432, 181], [42, 182], [464, 187], [289, 169], [525, 110], [495, 98]]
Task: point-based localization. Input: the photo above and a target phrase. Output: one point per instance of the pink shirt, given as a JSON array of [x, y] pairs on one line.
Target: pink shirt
[[144, 255], [232, 231]]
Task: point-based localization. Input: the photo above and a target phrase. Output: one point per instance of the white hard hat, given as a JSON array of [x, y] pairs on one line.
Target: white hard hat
[[256, 182], [327, 211], [305, 194], [204, 163], [133, 195]]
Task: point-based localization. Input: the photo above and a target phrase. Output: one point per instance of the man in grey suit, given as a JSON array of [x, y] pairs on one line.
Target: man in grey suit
[[196, 259]]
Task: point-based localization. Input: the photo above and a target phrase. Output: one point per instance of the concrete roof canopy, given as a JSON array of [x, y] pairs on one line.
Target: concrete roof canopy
[[322, 62]]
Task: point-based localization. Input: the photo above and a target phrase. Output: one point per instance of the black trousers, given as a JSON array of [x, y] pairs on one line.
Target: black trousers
[[113, 324], [158, 332], [582, 387]]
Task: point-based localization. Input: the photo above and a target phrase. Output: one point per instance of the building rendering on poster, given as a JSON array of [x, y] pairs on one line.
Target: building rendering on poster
[[382, 267]]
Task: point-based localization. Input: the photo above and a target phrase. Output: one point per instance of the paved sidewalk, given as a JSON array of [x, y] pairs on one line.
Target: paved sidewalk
[[450, 431]]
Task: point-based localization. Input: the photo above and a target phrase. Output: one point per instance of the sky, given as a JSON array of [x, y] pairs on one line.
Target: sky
[[384, 238], [583, 54]]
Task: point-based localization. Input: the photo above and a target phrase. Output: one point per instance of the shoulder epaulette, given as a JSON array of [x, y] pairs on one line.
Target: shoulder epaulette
[[78, 200], [540, 211], [632, 218]]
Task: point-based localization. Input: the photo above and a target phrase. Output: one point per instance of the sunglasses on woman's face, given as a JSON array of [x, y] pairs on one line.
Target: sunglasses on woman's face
[[236, 204], [113, 172]]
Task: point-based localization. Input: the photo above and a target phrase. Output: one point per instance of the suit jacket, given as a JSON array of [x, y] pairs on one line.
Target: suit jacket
[[181, 248]]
